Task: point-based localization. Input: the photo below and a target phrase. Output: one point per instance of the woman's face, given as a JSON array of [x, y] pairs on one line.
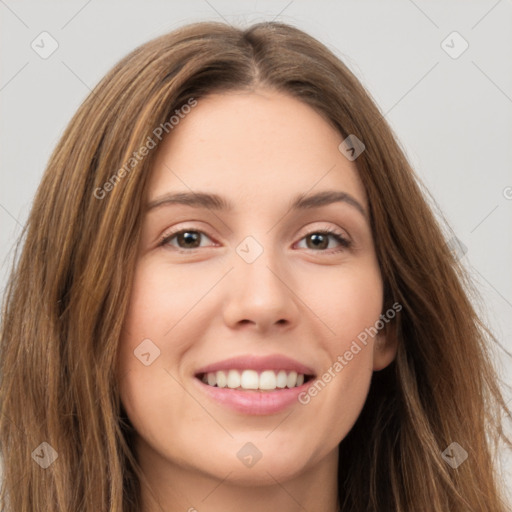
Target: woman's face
[[253, 293]]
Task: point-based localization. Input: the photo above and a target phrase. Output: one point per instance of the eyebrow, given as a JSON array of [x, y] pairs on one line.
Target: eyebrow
[[217, 202]]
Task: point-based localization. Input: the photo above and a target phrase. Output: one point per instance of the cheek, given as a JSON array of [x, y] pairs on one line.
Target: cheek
[[349, 304], [141, 351], [160, 322], [348, 301], [162, 302], [160, 296]]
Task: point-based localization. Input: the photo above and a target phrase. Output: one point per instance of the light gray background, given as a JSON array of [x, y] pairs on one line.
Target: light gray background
[[452, 116]]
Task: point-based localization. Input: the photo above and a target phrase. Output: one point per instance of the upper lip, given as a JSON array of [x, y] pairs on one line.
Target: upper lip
[[258, 363]]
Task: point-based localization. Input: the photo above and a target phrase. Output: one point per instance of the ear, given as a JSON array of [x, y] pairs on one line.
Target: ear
[[384, 348]]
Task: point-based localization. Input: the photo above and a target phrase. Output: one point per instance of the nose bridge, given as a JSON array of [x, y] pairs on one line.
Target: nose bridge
[[255, 261]]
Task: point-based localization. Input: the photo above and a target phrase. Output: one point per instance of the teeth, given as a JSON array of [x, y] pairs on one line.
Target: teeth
[[222, 379], [233, 379], [282, 379], [267, 380], [249, 379], [291, 381]]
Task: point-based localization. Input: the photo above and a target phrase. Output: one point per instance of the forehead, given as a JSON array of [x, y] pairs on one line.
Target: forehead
[[262, 144]]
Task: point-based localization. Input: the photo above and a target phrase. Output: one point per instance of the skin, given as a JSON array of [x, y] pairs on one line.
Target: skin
[[258, 150]]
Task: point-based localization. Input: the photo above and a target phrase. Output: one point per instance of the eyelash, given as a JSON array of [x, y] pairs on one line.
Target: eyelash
[[344, 242]]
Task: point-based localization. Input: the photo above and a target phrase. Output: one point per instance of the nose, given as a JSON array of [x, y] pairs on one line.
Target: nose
[[260, 296]]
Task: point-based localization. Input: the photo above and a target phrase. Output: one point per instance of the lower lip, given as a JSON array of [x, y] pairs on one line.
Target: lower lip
[[252, 401]]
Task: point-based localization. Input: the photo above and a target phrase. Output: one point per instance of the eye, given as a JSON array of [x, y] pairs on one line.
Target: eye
[[187, 239], [319, 240]]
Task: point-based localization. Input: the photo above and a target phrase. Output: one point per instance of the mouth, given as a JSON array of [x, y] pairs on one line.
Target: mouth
[[255, 385], [253, 380]]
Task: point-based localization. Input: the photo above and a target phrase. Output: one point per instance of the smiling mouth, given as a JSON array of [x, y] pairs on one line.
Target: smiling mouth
[[252, 380]]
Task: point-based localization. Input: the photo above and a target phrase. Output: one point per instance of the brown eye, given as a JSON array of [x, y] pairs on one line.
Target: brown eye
[[319, 240], [185, 239]]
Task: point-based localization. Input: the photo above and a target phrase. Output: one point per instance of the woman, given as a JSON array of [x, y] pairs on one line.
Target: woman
[[233, 295]]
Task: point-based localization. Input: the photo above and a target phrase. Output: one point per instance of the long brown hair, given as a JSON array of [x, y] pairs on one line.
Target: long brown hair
[[68, 292]]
